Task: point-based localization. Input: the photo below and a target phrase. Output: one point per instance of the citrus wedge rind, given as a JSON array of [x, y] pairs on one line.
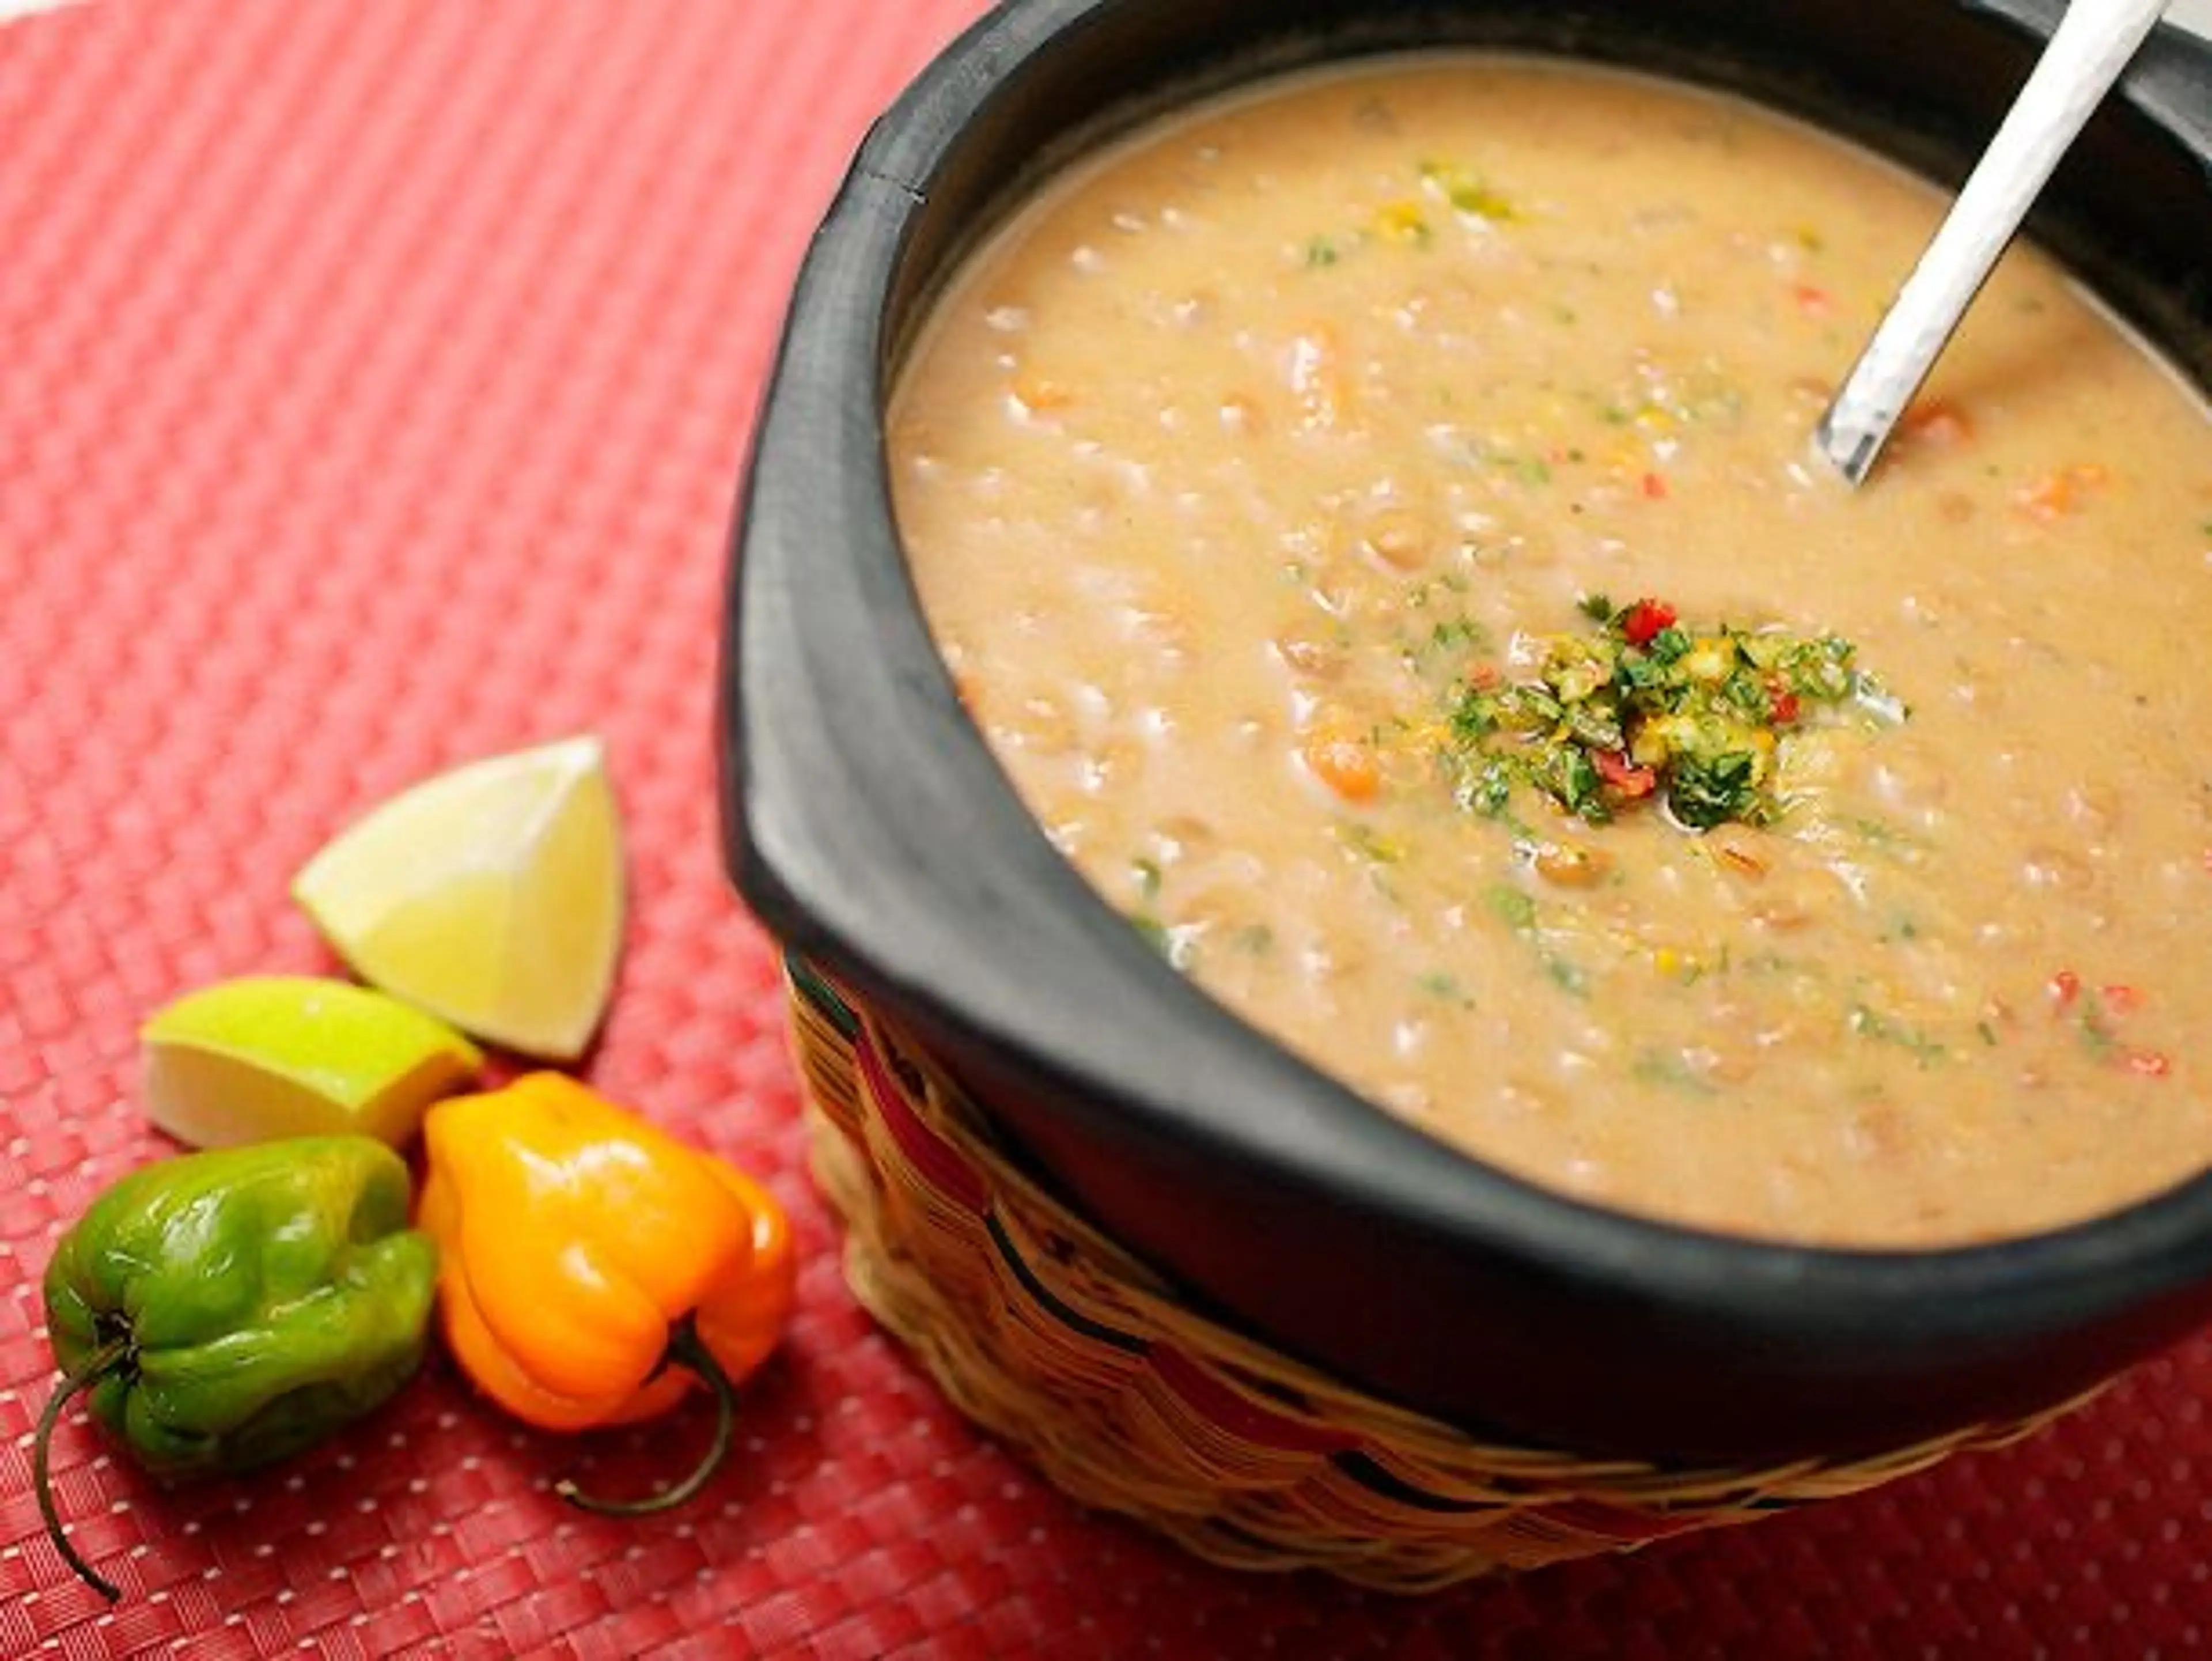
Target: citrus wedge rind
[[271, 1056]]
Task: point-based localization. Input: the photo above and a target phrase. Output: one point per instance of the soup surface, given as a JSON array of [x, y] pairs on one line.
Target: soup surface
[[1372, 521]]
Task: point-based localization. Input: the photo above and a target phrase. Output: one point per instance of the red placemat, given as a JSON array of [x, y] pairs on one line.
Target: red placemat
[[374, 379]]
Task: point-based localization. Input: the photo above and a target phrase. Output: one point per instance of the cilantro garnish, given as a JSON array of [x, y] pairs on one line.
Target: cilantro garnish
[[1641, 709]]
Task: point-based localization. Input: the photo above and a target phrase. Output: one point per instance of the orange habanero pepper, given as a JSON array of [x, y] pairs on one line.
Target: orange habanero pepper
[[592, 1268]]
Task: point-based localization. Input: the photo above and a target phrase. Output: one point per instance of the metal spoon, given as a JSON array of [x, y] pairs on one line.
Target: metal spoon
[[2093, 43]]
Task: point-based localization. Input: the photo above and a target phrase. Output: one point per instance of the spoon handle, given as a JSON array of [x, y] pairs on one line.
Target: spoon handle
[[2093, 43]]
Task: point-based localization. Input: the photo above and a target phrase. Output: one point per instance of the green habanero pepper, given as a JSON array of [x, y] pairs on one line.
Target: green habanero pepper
[[228, 1308]]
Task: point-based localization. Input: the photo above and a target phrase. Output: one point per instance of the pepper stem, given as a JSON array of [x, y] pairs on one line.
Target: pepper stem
[[115, 1352], [685, 1349]]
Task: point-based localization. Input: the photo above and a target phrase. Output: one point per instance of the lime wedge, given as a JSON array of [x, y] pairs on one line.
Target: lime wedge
[[271, 1056], [490, 896]]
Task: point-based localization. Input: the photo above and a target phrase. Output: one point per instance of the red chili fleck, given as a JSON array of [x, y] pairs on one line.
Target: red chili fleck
[[1643, 621], [2065, 988], [1614, 767], [1484, 677], [1782, 705], [2148, 1064], [1654, 486], [1814, 301], [2121, 999]]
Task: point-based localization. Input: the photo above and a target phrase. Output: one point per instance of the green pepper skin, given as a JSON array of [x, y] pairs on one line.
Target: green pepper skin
[[249, 1300]]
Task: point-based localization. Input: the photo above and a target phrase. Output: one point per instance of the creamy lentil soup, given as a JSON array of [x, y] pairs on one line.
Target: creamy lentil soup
[[1371, 518]]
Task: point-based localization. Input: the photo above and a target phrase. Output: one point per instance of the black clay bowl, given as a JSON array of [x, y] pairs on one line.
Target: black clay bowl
[[871, 830]]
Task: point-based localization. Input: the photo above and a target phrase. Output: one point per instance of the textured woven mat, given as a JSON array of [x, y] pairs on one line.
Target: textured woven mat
[[373, 379]]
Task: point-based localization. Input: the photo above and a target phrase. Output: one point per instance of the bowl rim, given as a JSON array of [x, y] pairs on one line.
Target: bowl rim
[[933, 888]]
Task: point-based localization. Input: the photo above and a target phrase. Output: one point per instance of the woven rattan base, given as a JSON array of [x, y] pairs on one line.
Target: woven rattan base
[[1053, 1338]]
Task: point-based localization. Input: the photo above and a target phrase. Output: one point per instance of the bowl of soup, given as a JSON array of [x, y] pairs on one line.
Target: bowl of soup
[[1286, 629]]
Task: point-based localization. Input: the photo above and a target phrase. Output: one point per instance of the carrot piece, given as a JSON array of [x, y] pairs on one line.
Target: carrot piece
[[1572, 866], [1814, 301], [2060, 492], [1040, 394], [1345, 766], [2121, 999], [1939, 423]]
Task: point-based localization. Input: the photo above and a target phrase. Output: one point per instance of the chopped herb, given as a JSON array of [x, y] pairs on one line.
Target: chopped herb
[[1488, 790], [1446, 987], [1710, 790], [1178, 945], [1869, 1023], [1645, 709], [1515, 909], [1254, 939], [1146, 873], [1468, 194], [1450, 636], [1671, 1069], [1877, 701], [1368, 843], [1321, 251], [1459, 631], [2095, 1025], [1476, 716], [1424, 594], [1881, 835], [1566, 773]]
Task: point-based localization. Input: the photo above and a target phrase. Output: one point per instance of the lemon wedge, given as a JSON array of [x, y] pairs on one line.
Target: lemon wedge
[[271, 1056], [490, 896]]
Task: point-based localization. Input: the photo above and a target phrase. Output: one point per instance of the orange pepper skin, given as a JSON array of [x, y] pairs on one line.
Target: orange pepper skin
[[743, 1319], [577, 1242]]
